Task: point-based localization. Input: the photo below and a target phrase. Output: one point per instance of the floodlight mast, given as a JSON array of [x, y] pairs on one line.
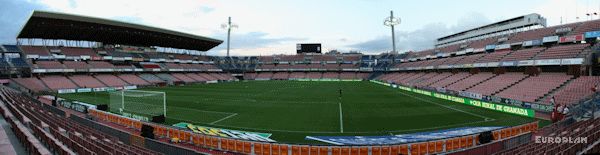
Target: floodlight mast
[[228, 26], [391, 22]]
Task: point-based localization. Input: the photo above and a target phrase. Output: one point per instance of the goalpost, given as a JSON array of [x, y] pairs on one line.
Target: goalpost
[[153, 103]]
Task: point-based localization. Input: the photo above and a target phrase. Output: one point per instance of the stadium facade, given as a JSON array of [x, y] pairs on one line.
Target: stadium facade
[[523, 70]]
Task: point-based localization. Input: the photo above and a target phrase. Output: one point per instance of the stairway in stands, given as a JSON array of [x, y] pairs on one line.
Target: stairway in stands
[[538, 53], [375, 75], [480, 82], [43, 83], [72, 81], [553, 91], [510, 85], [100, 81], [468, 76], [586, 52]]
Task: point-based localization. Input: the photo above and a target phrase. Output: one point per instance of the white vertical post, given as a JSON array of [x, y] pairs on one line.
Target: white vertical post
[[122, 101], [165, 103]]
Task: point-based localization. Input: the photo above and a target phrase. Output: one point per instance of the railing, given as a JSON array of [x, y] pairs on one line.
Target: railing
[[586, 107], [493, 147], [252, 147]]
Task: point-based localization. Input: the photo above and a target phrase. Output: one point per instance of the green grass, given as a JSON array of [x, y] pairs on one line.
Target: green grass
[[291, 110]]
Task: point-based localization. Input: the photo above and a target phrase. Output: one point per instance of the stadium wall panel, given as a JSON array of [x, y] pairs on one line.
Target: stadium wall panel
[[251, 147]]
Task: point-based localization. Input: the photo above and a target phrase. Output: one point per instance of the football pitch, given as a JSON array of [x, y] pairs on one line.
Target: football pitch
[[291, 110]]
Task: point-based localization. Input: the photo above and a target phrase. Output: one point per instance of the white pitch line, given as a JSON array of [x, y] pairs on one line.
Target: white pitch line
[[190, 109], [341, 120], [331, 132], [224, 118], [480, 116]]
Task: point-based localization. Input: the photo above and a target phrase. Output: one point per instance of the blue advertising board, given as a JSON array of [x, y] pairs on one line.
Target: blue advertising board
[[592, 34], [402, 138], [490, 47]]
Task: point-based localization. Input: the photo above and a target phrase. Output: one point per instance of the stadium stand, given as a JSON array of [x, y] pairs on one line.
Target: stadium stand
[[150, 65], [589, 129], [523, 54], [153, 78], [225, 76], [49, 65], [32, 83], [183, 77], [196, 77], [35, 50], [218, 76], [70, 51], [450, 80], [331, 75], [565, 51], [11, 48], [363, 76], [575, 90], [469, 82], [497, 83], [280, 76], [133, 79], [405, 80], [264, 75], [494, 56], [167, 77], [173, 66], [251, 76], [454, 60], [86, 81], [45, 132], [5, 146], [111, 80], [470, 59], [100, 65], [426, 76], [208, 76], [593, 25], [297, 75], [314, 75], [348, 75], [77, 65], [56, 82], [18, 63], [534, 87], [532, 34]]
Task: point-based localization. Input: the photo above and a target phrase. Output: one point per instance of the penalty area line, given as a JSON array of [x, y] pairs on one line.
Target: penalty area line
[[224, 118]]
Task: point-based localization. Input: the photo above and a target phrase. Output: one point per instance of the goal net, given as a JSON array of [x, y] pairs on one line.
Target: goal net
[[152, 103]]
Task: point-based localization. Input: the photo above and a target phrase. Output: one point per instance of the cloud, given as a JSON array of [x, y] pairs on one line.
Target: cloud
[[13, 14], [199, 17], [251, 43], [422, 38], [190, 16], [566, 11], [207, 9]]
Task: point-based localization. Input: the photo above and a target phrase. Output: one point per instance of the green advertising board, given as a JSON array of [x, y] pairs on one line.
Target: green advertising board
[[468, 101]]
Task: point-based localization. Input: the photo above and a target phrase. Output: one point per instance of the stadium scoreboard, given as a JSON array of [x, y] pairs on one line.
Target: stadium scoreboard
[[308, 48]]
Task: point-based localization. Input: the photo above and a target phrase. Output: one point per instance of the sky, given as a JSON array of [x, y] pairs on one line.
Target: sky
[[267, 27]]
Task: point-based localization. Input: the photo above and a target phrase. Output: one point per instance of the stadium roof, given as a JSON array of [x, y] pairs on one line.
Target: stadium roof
[[52, 25], [508, 24]]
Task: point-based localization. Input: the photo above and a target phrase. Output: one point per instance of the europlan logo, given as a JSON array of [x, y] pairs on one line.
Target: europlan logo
[[557, 140]]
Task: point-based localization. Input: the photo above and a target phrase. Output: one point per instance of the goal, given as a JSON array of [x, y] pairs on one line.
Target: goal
[[152, 103]]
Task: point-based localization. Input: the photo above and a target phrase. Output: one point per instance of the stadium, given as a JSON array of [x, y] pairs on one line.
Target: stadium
[[75, 84]]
